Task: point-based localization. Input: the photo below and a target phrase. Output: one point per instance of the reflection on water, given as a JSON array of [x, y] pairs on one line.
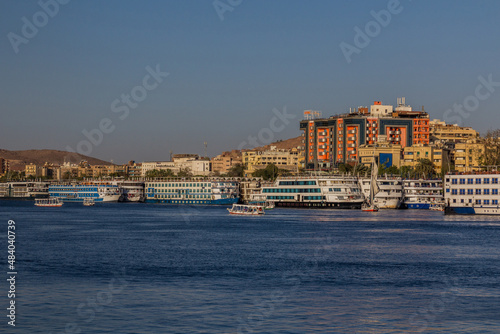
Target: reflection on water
[[120, 268]]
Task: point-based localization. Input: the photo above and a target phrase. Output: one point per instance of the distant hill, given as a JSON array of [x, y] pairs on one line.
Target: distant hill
[[283, 144], [18, 159]]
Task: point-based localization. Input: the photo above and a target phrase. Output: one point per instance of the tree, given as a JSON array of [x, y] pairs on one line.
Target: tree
[[361, 169], [491, 155], [345, 168], [236, 171], [159, 173], [185, 172], [425, 168], [406, 171], [268, 173]]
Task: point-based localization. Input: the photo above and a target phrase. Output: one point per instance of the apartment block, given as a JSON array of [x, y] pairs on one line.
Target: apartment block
[[467, 155], [283, 159], [442, 132]]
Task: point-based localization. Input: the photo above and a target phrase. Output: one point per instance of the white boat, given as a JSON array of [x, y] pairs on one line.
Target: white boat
[[390, 194], [421, 194], [437, 207], [472, 193], [332, 192], [246, 210], [88, 202], [48, 202], [100, 191], [132, 191]]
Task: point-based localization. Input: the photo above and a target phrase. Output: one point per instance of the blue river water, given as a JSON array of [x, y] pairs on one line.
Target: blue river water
[[144, 268]]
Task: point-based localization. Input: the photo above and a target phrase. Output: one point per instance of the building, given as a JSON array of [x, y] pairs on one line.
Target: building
[[283, 159], [439, 156], [442, 132], [134, 169], [193, 163], [329, 141], [3, 166], [158, 165], [387, 154], [224, 162], [33, 170], [467, 155]]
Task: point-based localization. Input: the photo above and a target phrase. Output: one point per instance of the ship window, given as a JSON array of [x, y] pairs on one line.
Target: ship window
[[486, 201], [470, 191], [462, 191], [478, 191], [462, 181], [487, 181], [454, 191], [478, 181], [494, 191], [494, 180], [470, 181], [495, 201], [454, 181], [486, 192]]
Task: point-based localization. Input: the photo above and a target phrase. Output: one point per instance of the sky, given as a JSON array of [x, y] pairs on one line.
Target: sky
[[127, 80]]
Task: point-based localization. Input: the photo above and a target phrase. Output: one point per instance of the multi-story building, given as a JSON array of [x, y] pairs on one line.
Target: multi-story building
[[442, 132], [158, 165], [384, 153], [134, 169], [467, 155], [328, 141], [33, 170], [191, 162], [3, 166], [439, 156], [224, 162], [283, 159]]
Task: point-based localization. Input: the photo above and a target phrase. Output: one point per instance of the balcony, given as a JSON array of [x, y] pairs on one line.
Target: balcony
[[322, 133], [351, 138], [391, 132], [397, 139], [398, 132], [351, 152], [322, 140], [351, 132], [351, 145], [321, 147]]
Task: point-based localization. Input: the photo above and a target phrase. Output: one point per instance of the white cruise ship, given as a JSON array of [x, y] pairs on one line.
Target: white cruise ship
[[421, 194], [473, 193], [77, 192], [336, 192], [390, 195], [131, 191], [192, 191]]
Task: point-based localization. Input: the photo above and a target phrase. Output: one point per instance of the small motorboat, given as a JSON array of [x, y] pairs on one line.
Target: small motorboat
[[49, 202], [88, 202], [247, 210]]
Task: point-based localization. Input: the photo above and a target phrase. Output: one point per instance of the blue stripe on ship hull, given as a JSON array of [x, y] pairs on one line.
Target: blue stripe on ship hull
[[424, 206], [460, 210]]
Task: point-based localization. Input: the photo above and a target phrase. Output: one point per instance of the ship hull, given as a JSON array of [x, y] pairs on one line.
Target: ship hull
[[319, 205], [223, 201]]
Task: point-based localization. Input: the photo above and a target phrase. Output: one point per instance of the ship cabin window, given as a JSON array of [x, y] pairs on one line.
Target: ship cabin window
[[453, 181], [494, 180], [462, 181], [453, 191], [478, 181], [470, 191], [462, 200], [447, 190], [487, 201], [478, 201], [486, 192], [462, 191], [478, 191], [470, 181], [494, 191], [494, 202], [454, 200], [486, 181]]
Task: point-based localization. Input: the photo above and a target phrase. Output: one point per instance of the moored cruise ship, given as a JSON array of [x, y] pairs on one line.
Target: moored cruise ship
[[131, 191], [335, 192], [24, 190], [74, 192], [192, 191], [472, 193], [421, 194], [390, 195]]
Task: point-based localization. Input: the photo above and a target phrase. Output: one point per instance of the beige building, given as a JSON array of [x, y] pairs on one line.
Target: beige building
[[283, 159], [33, 170], [439, 156], [467, 156], [442, 132], [367, 152], [225, 161]]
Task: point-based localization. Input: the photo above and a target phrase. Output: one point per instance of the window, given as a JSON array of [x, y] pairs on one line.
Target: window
[[470, 181], [478, 191], [453, 191], [478, 181], [486, 192], [470, 191], [486, 181], [478, 201], [462, 191], [494, 180], [486, 201], [494, 191], [462, 181], [494, 202], [453, 181]]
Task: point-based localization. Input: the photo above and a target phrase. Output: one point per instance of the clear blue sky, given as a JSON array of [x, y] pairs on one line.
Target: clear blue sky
[[226, 76]]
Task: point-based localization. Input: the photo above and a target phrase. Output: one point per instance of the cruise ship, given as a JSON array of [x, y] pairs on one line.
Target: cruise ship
[[390, 195], [131, 191], [24, 190], [421, 194], [335, 192], [74, 192], [472, 193], [193, 191]]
